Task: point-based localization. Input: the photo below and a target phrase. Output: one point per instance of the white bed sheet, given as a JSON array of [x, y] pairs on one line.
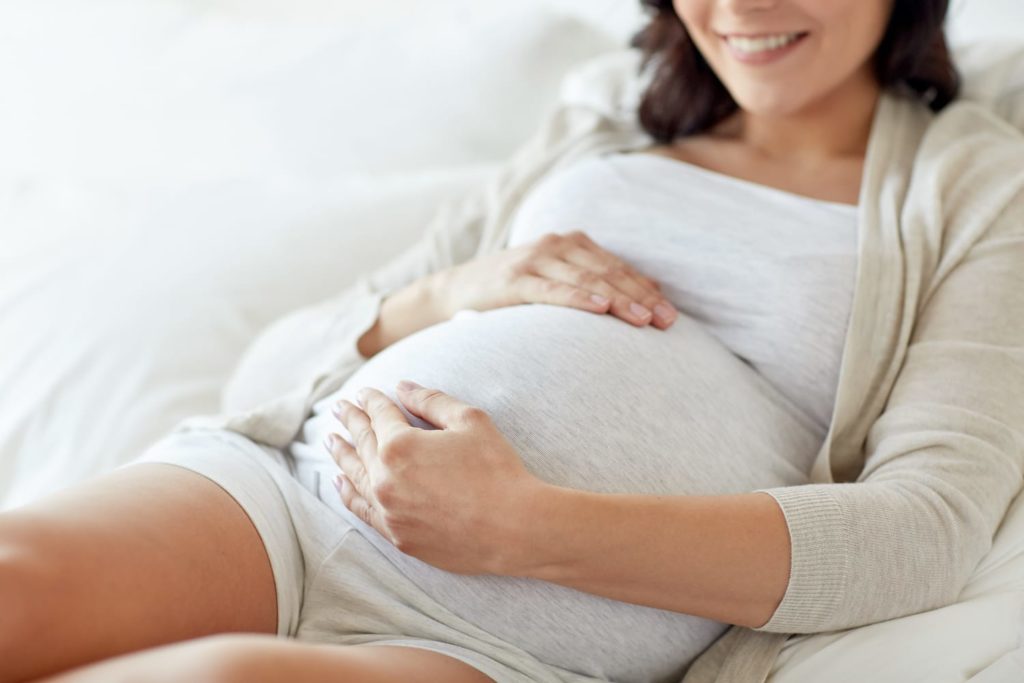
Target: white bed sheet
[[177, 174]]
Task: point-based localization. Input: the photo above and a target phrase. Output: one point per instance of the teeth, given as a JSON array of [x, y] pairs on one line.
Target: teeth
[[761, 44]]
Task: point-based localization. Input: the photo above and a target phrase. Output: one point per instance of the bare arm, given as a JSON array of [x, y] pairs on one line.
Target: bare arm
[[416, 306], [725, 558], [943, 462]]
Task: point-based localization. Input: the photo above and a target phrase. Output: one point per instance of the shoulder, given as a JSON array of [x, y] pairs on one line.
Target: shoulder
[[969, 123], [970, 164]]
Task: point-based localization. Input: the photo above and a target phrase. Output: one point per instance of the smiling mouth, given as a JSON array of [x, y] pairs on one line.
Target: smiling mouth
[[762, 44]]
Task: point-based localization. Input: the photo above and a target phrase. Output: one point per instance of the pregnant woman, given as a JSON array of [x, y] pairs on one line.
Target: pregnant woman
[[739, 362]]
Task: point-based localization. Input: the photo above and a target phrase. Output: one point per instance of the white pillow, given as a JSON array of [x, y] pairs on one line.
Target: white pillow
[[184, 177], [125, 310], [176, 175], [993, 74], [974, 20], [159, 91]]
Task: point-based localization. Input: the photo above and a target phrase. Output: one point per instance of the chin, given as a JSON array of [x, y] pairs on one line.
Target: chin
[[774, 102]]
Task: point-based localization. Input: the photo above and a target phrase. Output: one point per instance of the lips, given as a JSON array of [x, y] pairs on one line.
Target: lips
[[762, 43], [762, 48]]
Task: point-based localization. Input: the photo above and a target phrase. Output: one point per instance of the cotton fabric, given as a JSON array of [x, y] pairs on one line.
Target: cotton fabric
[[582, 397], [592, 402], [333, 587], [771, 277], [926, 426]]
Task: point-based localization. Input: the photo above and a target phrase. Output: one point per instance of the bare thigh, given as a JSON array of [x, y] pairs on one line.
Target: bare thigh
[[135, 558], [264, 659]]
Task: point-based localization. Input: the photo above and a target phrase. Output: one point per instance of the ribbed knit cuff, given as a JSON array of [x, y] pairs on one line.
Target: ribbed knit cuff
[[819, 562]]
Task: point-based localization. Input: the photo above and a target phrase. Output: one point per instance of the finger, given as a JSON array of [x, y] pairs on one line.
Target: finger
[[651, 282], [543, 290], [359, 428], [643, 290], [386, 419], [587, 280], [351, 465], [620, 274], [360, 506], [577, 247], [434, 406], [600, 257], [596, 258]]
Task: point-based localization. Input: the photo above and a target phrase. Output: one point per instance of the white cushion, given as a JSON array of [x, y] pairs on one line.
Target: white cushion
[[162, 91], [176, 176], [993, 73], [974, 20]]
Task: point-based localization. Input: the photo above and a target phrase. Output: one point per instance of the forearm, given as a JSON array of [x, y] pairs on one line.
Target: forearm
[[406, 311], [725, 558]]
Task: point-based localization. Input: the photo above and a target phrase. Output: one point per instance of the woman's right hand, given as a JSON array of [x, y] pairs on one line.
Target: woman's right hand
[[564, 270]]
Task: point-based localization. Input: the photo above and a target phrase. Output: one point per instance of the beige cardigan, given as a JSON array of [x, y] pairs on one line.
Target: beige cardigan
[[926, 445]]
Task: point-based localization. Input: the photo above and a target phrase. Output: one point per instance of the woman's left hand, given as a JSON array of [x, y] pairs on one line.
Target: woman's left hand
[[450, 497]]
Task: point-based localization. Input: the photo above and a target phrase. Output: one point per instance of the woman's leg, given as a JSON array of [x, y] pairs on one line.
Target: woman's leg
[[138, 557], [262, 659]]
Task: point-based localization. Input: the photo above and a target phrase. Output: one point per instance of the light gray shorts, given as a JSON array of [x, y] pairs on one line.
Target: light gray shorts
[[334, 586]]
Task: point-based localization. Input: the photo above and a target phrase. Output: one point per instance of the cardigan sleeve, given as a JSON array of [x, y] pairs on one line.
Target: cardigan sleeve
[[944, 459]]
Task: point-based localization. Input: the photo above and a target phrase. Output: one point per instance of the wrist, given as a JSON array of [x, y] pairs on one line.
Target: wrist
[[543, 517], [419, 304], [437, 291]]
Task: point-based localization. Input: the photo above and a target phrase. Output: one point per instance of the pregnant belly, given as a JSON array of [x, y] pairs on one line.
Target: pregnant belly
[[589, 402]]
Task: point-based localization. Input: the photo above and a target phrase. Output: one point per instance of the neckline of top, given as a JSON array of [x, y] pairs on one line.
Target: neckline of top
[[723, 177]]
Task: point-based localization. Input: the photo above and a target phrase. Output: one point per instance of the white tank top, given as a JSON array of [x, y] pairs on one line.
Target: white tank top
[[767, 272], [735, 396]]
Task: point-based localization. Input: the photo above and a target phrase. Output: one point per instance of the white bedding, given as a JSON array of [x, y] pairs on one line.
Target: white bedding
[[176, 174]]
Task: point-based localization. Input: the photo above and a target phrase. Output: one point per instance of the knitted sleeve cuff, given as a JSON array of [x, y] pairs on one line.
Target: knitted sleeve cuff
[[819, 561]]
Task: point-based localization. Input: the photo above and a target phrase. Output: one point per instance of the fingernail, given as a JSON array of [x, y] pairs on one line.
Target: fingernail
[[406, 385], [361, 396], [329, 442], [665, 313], [638, 310], [337, 483], [599, 300]]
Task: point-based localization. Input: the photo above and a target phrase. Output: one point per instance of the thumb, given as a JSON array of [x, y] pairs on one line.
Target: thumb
[[432, 405]]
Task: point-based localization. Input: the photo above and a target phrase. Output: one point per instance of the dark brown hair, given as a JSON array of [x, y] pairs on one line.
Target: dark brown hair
[[685, 96]]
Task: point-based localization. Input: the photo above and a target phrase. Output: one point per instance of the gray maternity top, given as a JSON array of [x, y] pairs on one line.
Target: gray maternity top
[[736, 395]]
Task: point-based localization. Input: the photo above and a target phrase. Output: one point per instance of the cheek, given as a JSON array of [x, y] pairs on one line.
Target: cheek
[[854, 28], [695, 15]]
